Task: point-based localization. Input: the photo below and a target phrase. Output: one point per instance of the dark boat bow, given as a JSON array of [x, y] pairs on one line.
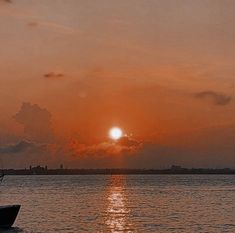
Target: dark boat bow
[[8, 215]]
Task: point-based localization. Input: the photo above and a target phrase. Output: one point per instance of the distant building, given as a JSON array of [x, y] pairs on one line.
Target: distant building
[[38, 170], [176, 168]]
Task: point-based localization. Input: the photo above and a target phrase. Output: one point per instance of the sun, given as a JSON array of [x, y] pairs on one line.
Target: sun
[[115, 133]]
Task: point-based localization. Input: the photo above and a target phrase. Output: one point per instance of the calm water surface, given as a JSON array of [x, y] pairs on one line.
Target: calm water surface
[[134, 203]]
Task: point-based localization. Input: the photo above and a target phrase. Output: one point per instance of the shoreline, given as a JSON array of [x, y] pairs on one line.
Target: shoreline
[[179, 171]]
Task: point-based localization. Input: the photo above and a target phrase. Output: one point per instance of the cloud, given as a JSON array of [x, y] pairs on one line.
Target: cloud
[[8, 1], [128, 142], [54, 26], [53, 75], [36, 122], [24, 153], [125, 145], [19, 147], [215, 97], [33, 24], [104, 154], [129, 153]]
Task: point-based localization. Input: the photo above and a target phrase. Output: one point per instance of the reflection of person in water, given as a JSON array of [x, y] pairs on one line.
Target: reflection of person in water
[[1, 173], [1, 177]]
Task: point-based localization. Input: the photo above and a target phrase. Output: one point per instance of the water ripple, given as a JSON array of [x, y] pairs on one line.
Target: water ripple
[[134, 203]]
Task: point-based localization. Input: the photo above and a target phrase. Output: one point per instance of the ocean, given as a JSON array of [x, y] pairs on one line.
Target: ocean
[[121, 203]]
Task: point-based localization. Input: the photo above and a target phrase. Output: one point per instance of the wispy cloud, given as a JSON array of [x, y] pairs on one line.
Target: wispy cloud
[[215, 97], [37, 22], [52, 25], [53, 75], [7, 1]]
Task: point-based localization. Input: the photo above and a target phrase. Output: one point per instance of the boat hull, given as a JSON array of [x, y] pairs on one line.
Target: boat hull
[[8, 215]]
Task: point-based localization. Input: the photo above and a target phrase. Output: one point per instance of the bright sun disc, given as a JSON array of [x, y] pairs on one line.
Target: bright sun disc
[[115, 133]]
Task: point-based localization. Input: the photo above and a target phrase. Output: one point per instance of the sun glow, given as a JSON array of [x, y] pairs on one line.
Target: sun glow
[[115, 133]]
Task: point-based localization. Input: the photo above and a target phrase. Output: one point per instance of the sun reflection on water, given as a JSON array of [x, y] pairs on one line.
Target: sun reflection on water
[[117, 211]]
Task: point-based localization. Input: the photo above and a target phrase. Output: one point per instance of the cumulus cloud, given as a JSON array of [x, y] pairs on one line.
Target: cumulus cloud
[[36, 122], [53, 75], [215, 97]]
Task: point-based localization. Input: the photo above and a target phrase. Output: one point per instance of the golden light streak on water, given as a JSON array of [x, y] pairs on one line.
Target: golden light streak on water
[[117, 211]]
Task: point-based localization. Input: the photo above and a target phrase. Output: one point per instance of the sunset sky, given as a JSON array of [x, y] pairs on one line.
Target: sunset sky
[[161, 70]]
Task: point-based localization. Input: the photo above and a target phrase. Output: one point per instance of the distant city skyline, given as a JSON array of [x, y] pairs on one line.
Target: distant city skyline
[[174, 169]]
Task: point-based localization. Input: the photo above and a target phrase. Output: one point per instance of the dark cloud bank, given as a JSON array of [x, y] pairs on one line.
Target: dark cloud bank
[[19, 147], [30, 148]]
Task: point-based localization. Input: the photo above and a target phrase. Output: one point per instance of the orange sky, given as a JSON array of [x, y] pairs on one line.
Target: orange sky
[[161, 70]]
